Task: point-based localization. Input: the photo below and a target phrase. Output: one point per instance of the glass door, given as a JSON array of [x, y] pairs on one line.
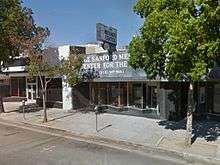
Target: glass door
[[31, 92]]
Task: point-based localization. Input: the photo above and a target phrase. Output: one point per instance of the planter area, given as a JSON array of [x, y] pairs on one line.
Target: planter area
[[131, 111]]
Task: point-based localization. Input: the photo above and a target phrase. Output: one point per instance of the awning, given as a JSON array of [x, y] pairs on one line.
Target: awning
[[120, 79]]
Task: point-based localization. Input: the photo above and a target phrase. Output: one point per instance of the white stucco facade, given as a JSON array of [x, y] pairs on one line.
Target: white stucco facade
[[64, 52]]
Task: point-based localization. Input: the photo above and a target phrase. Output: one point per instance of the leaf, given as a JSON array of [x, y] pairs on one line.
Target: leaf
[[178, 36]]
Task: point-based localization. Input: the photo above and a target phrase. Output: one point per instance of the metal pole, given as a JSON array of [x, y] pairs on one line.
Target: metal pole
[[96, 123], [90, 102], [23, 104], [127, 94], [119, 94], [107, 93]]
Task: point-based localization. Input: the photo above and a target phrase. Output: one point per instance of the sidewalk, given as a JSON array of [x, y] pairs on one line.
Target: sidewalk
[[137, 130], [11, 106]]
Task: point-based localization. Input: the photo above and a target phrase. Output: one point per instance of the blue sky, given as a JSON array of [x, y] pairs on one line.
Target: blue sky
[[74, 21]]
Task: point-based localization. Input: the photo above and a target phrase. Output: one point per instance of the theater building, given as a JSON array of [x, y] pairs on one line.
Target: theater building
[[117, 87], [121, 88]]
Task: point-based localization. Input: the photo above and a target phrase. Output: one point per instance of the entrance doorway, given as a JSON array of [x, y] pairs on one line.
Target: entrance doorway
[[17, 85], [31, 92], [32, 89]]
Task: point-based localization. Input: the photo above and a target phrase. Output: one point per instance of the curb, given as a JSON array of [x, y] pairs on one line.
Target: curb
[[115, 144]]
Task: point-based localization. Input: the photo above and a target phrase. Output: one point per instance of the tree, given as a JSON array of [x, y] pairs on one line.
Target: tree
[[39, 65], [71, 67], [179, 38], [12, 25], [28, 42], [15, 22], [21, 36]]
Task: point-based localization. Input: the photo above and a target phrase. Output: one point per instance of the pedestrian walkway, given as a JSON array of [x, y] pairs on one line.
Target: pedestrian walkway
[[137, 130]]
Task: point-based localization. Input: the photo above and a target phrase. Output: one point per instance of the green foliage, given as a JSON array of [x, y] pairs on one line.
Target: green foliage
[[13, 25], [178, 36], [40, 67], [71, 67]]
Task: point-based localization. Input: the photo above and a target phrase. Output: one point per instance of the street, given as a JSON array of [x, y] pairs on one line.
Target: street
[[19, 146]]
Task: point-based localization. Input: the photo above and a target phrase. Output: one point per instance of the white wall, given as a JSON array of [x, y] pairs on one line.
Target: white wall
[[64, 52], [14, 69], [94, 48]]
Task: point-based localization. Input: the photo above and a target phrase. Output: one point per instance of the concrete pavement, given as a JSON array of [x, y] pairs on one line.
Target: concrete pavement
[[11, 106], [135, 130]]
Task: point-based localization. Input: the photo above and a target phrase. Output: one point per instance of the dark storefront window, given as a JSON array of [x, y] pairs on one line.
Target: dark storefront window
[[22, 87], [117, 94], [152, 96], [217, 98], [14, 87], [54, 89], [137, 95], [113, 94], [18, 86], [102, 93], [137, 98], [99, 93], [123, 94], [110, 93]]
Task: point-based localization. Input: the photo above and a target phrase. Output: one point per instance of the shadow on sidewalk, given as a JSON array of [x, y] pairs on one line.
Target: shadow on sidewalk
[[208, 130], [104, 127], [61, 117]]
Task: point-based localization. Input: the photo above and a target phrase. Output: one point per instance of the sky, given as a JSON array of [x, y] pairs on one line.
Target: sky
[[74, 21]]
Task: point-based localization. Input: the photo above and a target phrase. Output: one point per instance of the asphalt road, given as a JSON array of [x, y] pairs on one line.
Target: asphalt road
[[24, 147]]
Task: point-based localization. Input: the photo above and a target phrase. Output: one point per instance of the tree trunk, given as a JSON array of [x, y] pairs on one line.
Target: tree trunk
[[44, 106], [188, 139], [1, 105]]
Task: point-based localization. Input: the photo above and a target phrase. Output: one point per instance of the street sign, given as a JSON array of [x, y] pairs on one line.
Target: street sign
[[106, 34]]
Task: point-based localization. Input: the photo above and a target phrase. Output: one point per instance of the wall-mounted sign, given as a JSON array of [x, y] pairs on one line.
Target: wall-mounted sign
[[106, 34], [118, 67], [105, 67]]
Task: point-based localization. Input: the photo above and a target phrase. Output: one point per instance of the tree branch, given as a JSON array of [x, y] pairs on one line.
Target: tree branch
[[47, 81]]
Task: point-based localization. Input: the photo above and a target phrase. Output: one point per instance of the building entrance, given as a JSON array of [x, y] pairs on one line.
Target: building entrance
[[32, 89]]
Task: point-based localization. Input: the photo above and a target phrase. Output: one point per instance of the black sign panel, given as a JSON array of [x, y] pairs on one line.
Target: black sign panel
[[106, 34]]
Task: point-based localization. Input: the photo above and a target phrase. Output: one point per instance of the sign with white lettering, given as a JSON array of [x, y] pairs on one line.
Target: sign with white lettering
[[118, 67]]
